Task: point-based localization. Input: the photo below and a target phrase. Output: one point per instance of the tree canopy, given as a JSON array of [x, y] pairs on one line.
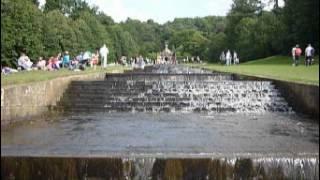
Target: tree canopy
[[75, 26]]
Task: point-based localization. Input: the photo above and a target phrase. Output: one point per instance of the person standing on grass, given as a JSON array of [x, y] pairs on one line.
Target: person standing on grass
[[66, 60], [104, 51], [235, 58], [309, 52], [297, 54], [222, 57], [228, 58], [293, 52], [95, 60]]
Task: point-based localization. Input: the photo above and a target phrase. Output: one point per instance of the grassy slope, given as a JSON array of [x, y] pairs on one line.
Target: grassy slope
[[276, 67], [35, 76]]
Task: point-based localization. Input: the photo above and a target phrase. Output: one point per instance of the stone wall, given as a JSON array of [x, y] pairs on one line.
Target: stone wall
[[303, 98], [27, 101]]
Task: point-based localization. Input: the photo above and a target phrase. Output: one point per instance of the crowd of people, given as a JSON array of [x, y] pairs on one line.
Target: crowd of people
[[136, 62], [61, 60], [297, 52], [85, 59], [228, 58], [192, 60]]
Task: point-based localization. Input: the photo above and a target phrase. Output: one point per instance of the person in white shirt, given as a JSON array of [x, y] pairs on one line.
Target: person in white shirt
[[228, 58], [104, 51], [25, 62], [293, 52], [309, 54], [235, 58]]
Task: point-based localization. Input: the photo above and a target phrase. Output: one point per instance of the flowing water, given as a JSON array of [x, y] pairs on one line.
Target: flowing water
[[168, 122]]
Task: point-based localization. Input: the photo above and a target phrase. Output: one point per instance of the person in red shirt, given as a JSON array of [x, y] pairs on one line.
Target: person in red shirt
[[50, 64], [297, 54]]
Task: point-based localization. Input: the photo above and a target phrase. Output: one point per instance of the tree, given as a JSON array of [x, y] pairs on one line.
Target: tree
[[36, 2], [75, 26], [216, 44], [64, 6], [21, 30], [189, 41], [104, 19], [58, 34], [124, 43], [240, 9], [69, 7], [246, 37], [302, 21]]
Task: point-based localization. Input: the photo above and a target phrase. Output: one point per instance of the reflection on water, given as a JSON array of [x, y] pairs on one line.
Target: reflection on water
[[163, 133], [162, 146]]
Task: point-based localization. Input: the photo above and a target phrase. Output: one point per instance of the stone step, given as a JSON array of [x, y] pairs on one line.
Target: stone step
[[126, 99], [128, 104], [105, 91], [172, 92], [217, 104], [170, 103], [145, 109], [201, 87], [96, 94], [90, 84], [168, 109], [174, 85], [124, 86]]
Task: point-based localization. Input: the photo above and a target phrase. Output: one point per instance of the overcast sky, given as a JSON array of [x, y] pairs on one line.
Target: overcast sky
[[160, 11]]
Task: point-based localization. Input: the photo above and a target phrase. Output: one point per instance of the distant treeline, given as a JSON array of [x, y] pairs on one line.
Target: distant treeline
[[75, 26]]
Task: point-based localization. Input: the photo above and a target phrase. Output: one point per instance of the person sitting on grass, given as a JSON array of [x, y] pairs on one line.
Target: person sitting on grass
[[41, 64], [7, 70], [122, 60], [51, 64], [24, 62], [74, 64], [56, 62], [85, 58]]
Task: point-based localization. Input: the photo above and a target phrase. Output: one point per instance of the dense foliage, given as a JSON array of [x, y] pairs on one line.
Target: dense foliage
[[75, 26]]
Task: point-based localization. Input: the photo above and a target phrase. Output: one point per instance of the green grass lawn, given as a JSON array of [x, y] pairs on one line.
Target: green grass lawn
[[35, 76], [275, 67]]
